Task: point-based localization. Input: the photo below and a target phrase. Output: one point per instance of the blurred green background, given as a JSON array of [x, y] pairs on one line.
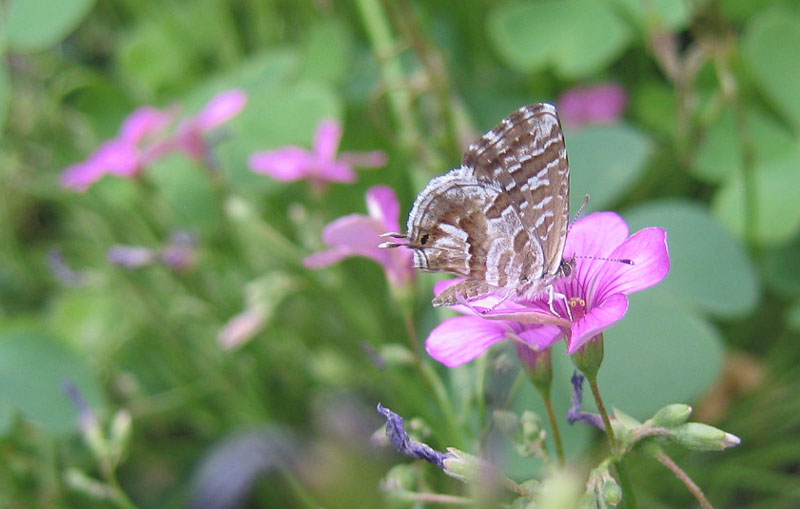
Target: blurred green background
[[708, 147]]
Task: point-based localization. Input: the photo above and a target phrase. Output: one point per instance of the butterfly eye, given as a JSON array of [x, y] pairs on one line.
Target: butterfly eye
[[424, 239]]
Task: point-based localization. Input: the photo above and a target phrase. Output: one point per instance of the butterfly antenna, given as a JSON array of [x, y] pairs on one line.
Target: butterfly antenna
[[626, 261], [580, 211]]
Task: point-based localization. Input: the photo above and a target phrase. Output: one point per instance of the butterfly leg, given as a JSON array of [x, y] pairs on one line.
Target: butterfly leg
[[551, 296]]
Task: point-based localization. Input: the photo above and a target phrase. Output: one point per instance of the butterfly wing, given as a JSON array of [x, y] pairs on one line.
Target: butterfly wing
[[525, 156], [467, 227]]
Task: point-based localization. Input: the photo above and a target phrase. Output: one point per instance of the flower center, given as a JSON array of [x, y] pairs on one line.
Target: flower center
[[577, 308]]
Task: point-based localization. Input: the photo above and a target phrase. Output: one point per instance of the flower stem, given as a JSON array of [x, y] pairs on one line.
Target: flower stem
[[612, 440], [628, 498], [440, 392], [551, 415], [693, 488]]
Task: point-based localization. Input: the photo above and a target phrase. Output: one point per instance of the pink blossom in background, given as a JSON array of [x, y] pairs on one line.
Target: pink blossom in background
[[596, 104], [130, 152], [358, 235], [145, 137], [319, 165], [191, 136], [596, 291]]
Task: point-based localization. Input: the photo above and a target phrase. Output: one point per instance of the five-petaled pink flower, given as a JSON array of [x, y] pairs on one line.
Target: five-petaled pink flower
[[357, 235], [596, 294], [597, 104], [320, 165], [145, 137]]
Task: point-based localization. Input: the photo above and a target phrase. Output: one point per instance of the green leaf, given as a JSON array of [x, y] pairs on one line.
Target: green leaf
[[720, 152], [34, 25], [285, 116], [781, 268], [604, 162], [576, 37], [655, 108], [709, 268], [5, 96], [793, 317], [186, 185], [152, 59], [777, 216], [327, 52], [660, 353], [33, 367], [767, 51], [650, 14]]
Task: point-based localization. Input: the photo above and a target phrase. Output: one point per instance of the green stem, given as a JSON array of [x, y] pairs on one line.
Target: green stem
[[612, 440], [551, 415], [440, 392], [628, 498], [377, 26], [693, 488]]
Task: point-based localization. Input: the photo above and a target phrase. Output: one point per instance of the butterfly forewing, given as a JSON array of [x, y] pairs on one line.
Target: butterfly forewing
[[526, 157]]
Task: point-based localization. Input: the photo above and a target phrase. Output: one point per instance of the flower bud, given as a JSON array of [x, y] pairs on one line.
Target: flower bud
[[537, 364], [120, 432], [671, 416], [81, 482], [702, 437], [589, 357], [612, 493], [466, 467]]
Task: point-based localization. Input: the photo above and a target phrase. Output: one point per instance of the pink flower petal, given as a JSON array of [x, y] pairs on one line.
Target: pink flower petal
[[334, 172], [355, 231], [220, 109], [373, 159], [81, 176], [286, 164], [649, 252], [459, 340], [241, 329], [326, 258], [326, 139], [541, 337], [144, 122], [599, 318], [594, 236], [599, 104], [118, 157], [383, 205]]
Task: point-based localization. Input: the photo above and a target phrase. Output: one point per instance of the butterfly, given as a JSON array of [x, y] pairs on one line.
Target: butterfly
[[499, 220]]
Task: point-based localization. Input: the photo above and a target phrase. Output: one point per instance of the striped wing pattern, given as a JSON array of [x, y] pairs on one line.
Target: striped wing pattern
[[500, 220]]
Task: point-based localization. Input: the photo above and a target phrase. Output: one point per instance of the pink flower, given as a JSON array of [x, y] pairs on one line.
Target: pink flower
[[596, 292], [126, 155], [597, 104], [144, 138], [191, 137], [357, 235], [319, 165]]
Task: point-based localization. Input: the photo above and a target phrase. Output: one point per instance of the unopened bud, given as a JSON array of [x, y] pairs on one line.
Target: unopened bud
[[466, 467], [612, 493], [589, 357], [400, 478], [120, 432], [702, 437], [671, 416], [81, 482]]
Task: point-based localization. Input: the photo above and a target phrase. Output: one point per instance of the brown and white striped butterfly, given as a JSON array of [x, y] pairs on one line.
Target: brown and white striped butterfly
[[500, 220]]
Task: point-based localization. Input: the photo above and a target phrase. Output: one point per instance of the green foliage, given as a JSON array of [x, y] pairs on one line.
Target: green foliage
[[35, 25], [707, 148], [33, 370]]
